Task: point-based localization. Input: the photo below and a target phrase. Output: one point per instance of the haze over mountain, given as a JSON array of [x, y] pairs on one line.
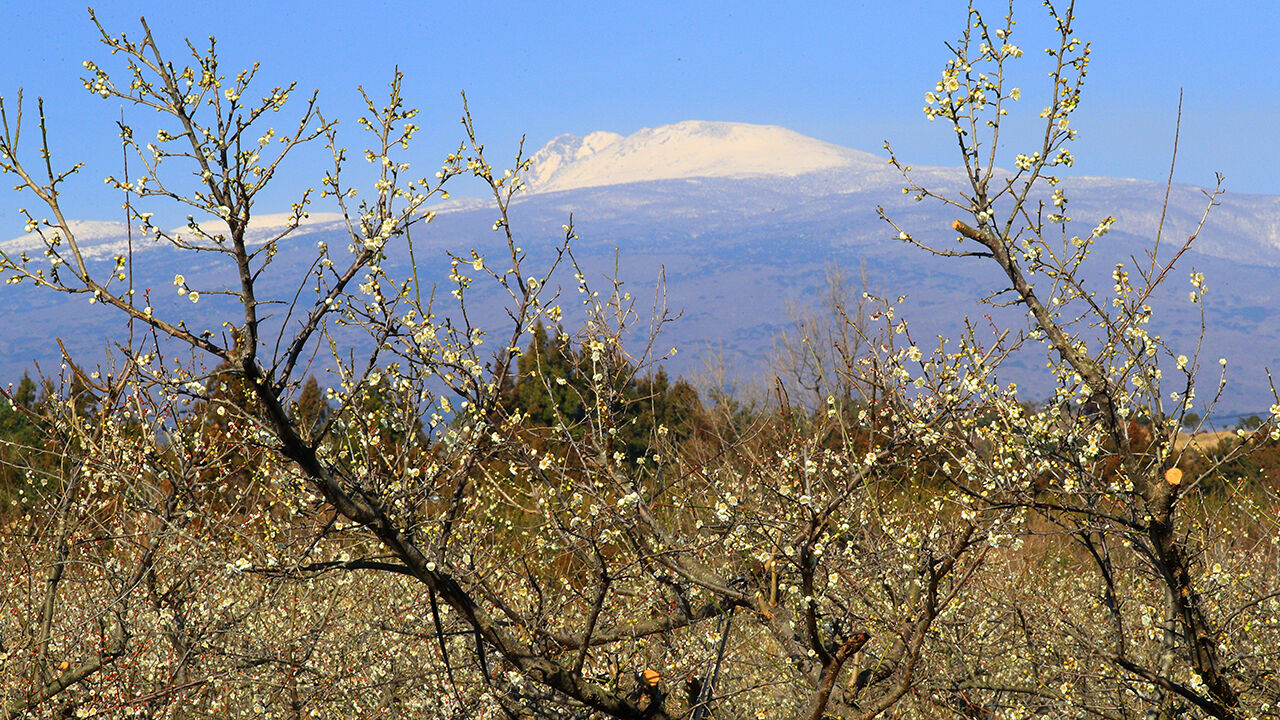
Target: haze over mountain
[[743, 222]]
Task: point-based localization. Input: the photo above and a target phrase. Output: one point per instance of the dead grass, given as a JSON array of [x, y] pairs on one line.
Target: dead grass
[[1205, 440]]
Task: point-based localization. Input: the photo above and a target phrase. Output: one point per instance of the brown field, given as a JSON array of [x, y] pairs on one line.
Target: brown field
[[1205, 440]]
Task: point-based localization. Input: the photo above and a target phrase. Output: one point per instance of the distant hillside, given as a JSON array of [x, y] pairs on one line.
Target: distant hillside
[[744, 220]]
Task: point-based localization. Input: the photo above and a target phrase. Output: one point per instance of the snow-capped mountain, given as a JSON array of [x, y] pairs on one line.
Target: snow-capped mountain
[[690, 149], [742, 223], [102, 236], [104, 239]]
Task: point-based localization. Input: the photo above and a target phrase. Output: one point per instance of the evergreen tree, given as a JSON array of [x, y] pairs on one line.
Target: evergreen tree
[[229, 397], [83, 398], [312, 408], [656, 402], [25, 394], [21, 440], [381, 429], [547, 386], [224, 419]]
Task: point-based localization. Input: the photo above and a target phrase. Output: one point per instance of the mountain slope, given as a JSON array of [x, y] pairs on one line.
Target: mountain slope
[[739, 245]]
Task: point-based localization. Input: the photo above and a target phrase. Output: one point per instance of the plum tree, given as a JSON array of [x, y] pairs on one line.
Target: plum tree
[[411, 542]]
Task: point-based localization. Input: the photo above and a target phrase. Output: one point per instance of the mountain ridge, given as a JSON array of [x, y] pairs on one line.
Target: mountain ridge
[[737, 252]]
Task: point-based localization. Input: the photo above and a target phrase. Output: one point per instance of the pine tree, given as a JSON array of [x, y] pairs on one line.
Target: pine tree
[[229, 397], [312, 408], [656, 402], [546, 388], [25, 394], [550, 388], [21, 440]]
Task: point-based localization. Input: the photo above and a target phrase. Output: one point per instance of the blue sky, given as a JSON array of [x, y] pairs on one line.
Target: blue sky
[[852, 73]]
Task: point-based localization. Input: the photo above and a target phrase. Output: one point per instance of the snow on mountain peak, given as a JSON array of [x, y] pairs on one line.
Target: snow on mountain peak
[[685, 150], [102, 239]]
